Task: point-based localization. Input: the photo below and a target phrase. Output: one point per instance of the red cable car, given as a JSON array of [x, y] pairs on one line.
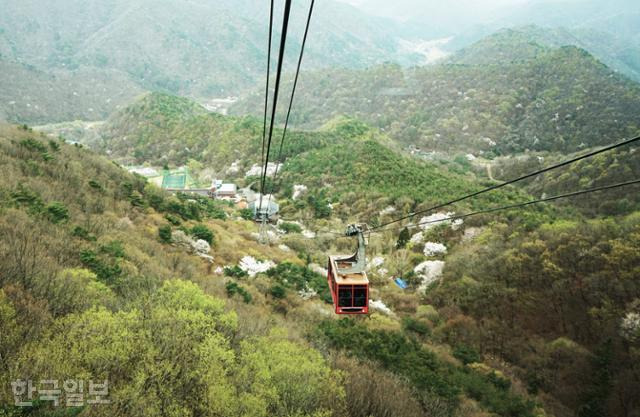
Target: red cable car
[[347, 277]]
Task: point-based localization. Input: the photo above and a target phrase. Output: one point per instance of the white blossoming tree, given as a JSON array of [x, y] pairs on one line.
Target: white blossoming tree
[[630, 327]]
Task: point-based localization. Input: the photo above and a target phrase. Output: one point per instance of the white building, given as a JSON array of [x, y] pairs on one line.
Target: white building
[[223, 190]]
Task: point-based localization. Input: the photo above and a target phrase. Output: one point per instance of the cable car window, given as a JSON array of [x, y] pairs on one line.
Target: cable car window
[[360, 296], [345, 294]]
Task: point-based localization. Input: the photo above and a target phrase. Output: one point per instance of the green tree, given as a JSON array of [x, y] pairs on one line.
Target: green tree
[[290, 227], [278, 291], [10, 330], [57, 212], [286, 379], [246, 214], [233, 289], [164, 233], [599, 389], [320, 206], [403, 239], [200, 231]]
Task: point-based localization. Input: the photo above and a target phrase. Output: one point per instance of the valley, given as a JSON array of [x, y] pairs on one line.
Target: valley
[[132, 150]]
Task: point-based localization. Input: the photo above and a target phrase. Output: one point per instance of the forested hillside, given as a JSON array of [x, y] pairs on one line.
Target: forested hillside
[[346, 155], [201, 49], [504, 313], [607, 168], [189, 305], [33, 96], [529, 97], [116, 280], [90, 287], [527, 41], [164, 129], [556, 304]]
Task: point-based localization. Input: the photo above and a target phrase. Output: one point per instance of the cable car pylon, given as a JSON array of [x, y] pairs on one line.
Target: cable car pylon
[[263, 236]]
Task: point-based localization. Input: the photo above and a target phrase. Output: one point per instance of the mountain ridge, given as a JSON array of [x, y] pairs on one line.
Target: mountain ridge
[[546, 101]]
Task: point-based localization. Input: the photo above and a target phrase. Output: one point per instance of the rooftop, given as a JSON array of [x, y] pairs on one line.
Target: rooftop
[[349, 279], [227, 188]]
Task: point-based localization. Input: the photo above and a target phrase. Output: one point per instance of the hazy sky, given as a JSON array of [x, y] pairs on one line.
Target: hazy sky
[[402, 9], [450, 17]]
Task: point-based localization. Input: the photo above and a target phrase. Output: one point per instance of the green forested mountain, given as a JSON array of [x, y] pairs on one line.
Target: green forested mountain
[[345, 154], [553, 303], [527, 42], [203, 49], [160, 128], [531, 98], [502, 48], [608, 168], [29, 95]]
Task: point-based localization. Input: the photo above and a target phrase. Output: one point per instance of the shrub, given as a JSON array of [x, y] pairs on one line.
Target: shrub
[[126, 189], [213, 209], [55, 146], [137, 199], [164, 233], [495, 397], [403, 239], [466, 354], [320, 206], [233, 288], [278, 291], [290, 228], [301, 278], [26, 197], [95, 185], [194, 206], [416, 326], [57, 212], [82, 233], [188, 210], [246, 214], [235, 271], [368, 389], [172, 219], [114, 249], [33, 145], [107, 273], [200, 231]]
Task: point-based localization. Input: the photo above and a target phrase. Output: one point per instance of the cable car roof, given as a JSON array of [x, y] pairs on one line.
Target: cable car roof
[[346, 279]]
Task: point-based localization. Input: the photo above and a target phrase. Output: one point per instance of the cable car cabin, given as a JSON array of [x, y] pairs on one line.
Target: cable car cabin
[[347, 278], [265, 209], [350, 292]]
